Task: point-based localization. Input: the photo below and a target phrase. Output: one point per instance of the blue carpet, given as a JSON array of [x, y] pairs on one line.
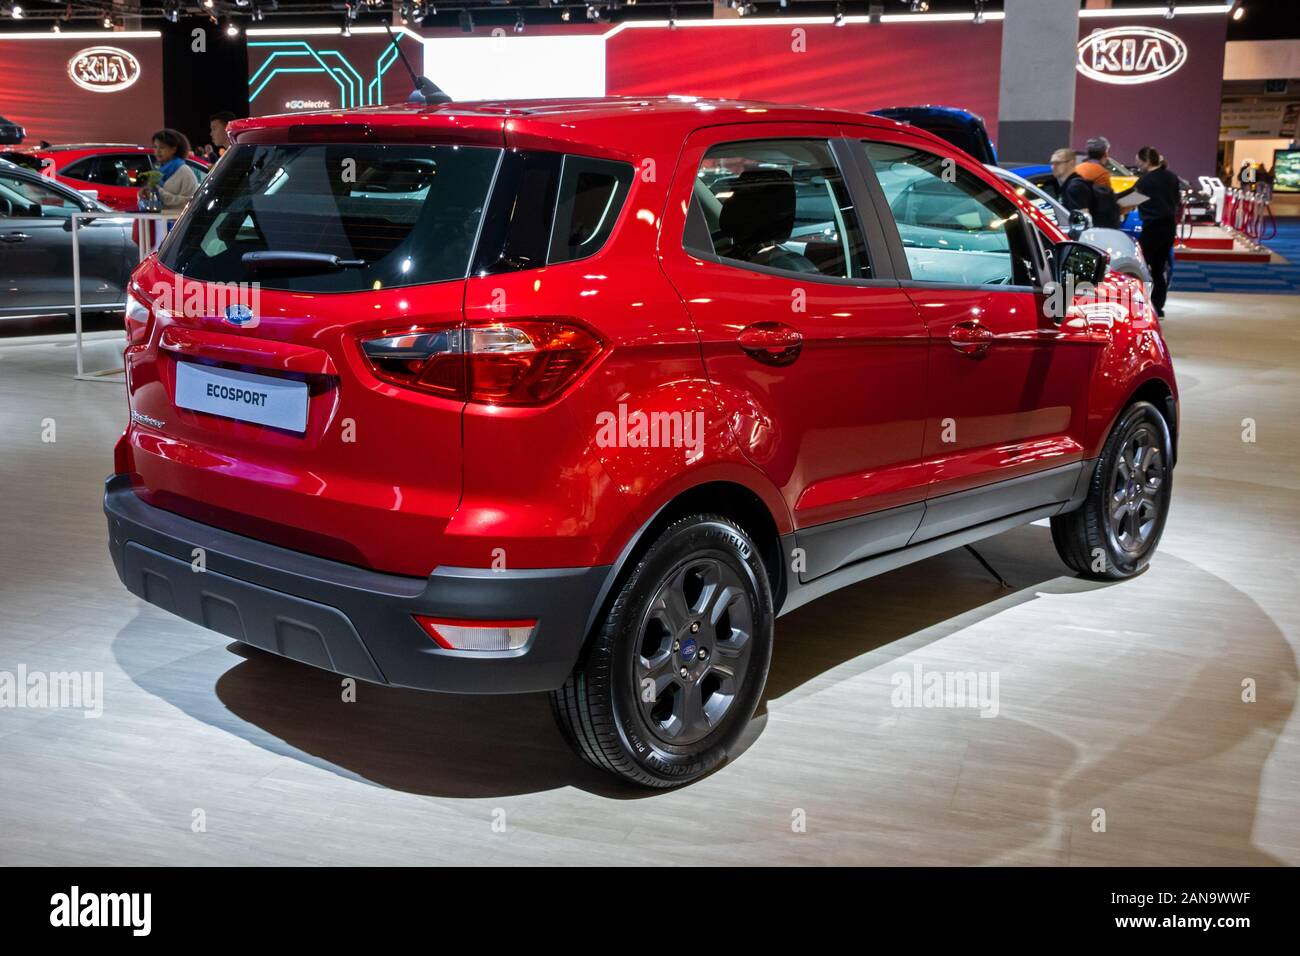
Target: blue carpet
[[1245, 277]]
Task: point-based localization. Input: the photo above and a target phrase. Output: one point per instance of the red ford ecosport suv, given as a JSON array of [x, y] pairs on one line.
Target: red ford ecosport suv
[[579, 396]]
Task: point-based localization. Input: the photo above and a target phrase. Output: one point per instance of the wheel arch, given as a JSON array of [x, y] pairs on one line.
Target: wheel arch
[[1160, 394], [728, 498]]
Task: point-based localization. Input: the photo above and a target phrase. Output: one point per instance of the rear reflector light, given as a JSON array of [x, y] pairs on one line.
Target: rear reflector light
[[136, 311], [522, 362], [464, 635], [137, 320]]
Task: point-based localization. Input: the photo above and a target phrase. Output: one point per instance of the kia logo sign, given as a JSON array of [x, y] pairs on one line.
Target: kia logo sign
[[1131, 55], [103, 69]]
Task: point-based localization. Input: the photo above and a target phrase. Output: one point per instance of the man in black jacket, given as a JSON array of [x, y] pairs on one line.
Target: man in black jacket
[[1074, 191]]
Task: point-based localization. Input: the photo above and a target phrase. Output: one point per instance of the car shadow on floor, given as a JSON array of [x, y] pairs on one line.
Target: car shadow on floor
[[488, 746], [479, 746]]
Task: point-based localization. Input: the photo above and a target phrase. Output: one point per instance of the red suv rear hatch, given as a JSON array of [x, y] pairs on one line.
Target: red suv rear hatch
[[253, 407]]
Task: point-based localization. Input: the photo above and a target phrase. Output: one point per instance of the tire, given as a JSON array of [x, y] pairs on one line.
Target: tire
[[1115, 532], [699, 600]]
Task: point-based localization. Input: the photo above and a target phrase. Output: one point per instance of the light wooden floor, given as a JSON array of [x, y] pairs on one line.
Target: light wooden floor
[[1123, 698]]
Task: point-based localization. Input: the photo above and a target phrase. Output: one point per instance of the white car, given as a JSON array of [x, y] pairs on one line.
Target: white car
[[1125, 254]]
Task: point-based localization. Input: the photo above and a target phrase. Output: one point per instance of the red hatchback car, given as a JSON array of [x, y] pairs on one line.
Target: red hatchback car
[[110, 170], [580, 396]]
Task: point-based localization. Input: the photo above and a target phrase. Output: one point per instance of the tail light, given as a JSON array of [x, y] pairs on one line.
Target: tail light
[[464, 635], [524, 362]]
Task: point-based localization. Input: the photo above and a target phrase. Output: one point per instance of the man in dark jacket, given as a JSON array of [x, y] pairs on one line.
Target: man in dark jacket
[[1074, 191]]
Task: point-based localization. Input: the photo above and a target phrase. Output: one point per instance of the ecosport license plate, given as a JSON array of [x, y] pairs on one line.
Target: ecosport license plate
[[262, 399]]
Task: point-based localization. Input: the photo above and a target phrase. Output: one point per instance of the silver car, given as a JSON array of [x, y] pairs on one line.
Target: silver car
[[36, 249], [1125, 254]]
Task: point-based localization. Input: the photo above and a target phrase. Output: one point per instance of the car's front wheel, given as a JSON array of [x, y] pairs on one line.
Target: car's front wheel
[[1116, 530], [672, 677]]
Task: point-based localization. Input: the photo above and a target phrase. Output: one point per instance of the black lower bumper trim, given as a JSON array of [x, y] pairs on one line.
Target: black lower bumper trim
[[347, 619]]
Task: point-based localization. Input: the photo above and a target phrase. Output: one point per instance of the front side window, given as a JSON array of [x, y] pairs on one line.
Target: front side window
[[389, 215], [778, 204], [122, 169], [955, 227]]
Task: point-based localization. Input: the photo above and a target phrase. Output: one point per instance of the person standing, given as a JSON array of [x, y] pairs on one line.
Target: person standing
[[1073, 190], [178, 183], [217, 123], [1096, 170], [1159, 195]]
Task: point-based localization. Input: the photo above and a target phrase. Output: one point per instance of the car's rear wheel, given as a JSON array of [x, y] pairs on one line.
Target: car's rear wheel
[[671, 678], [1116, 530]]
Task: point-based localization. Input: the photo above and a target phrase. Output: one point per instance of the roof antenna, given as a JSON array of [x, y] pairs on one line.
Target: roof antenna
[[426, 91]]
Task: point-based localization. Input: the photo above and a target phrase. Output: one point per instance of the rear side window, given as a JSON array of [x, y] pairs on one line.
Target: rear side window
[[398, 215], [779, 204], [591, 194], [955, 227], [549, 208]]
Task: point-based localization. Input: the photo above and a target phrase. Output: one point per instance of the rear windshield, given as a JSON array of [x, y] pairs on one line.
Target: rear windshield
[[397, 215]]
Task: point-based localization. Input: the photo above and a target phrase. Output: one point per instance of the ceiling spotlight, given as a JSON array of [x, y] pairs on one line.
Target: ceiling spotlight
[[839, 14], [231, 29], [519, 22], [1238, 11]]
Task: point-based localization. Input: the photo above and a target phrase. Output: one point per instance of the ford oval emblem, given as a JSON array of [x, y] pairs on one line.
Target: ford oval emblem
[[1130, 55], [103, 69], [239, 314]]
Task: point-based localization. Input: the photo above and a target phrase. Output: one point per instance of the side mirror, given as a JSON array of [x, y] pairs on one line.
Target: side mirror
[[1080, 220], [1078, 263]]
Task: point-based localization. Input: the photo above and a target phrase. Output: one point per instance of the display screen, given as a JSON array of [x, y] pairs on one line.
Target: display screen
[[1286, 170]]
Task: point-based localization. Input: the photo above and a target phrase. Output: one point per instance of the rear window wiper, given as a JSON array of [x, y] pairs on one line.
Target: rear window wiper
[[290, 261]]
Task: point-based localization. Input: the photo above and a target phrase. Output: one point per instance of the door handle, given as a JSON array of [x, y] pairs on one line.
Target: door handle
[[970, 338], [772, 343], [14, 237]]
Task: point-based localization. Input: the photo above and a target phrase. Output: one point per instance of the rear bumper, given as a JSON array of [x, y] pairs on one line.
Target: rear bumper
[[347, 619]]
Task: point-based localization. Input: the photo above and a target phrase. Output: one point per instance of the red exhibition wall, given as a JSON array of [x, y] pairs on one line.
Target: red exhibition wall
[[858, 66], [37, 92], [863, 67]]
